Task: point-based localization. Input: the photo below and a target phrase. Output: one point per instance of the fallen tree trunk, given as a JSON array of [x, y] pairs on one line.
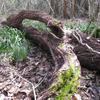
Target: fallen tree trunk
[[87, 50], [47, 41]]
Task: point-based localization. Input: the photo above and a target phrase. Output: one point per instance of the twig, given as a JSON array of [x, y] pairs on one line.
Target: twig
[[33, 88], [50, 6], [40, 81]]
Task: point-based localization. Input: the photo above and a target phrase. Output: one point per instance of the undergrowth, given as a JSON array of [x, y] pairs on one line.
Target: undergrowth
[[36, 24], [66, 83], [80, 25], [12, 40], [91, 29], [13, 43]]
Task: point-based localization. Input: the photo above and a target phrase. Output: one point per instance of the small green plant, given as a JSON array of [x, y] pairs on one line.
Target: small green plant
[[66, 83], [36, 24], [12, 42]]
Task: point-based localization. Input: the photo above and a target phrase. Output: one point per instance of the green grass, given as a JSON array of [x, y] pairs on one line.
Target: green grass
[[12, 42], [80, 25], [91, 29], [36, 24]]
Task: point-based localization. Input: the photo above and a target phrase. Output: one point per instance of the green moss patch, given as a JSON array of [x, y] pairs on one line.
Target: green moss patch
[[66, 83]]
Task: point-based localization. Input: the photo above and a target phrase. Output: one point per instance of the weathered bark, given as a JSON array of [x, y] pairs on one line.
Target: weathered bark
[[89, 57], [48, 41]]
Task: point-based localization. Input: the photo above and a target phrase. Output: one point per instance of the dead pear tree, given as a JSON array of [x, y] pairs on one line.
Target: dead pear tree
[[57, 43]]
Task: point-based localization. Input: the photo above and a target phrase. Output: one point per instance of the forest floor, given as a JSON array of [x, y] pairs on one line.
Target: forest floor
[[38, 68], [89, 85]]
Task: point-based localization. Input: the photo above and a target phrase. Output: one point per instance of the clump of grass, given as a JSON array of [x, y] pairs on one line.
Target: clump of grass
[[66, 83], [36, 24], [12, 42]]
